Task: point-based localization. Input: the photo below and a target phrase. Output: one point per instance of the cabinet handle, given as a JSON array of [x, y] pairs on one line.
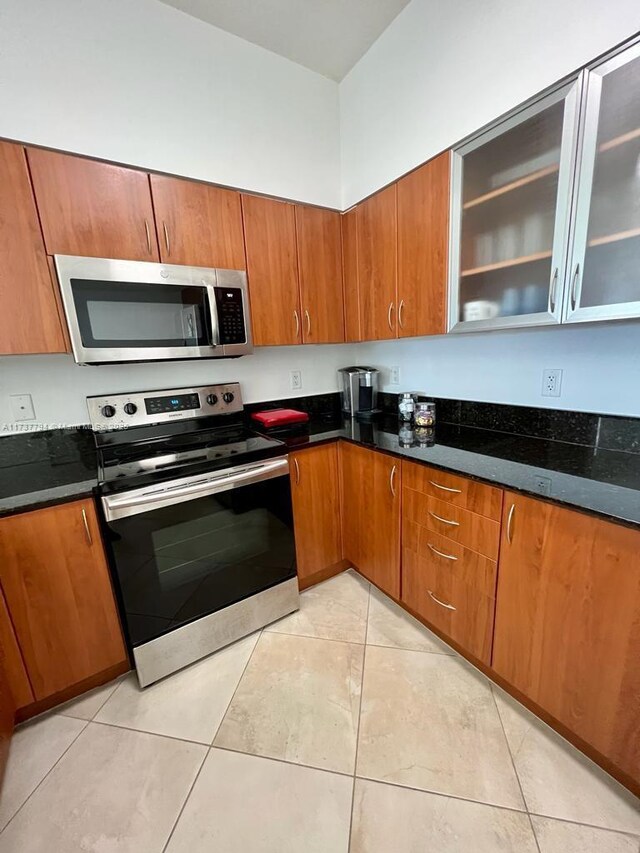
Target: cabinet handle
[[148, 233], [297, 319], [297, 467], [86, 527], [444, 520], [574, 287], [400, 310], [553, 290], [441, 553], [389, 316], [308, 319], [510, 524], [166, 237], [441, 603], [445, 488], [392, 480]]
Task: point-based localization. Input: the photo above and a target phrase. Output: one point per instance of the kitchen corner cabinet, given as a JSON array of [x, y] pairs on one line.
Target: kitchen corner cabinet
[[58, 592], [567, 630], [198, 224], [92, 208], [370, 487], [315, 489], [29, 319], [377, 237]]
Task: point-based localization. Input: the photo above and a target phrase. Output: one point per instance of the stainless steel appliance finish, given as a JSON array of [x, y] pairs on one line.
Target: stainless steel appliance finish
[[123, 311], [359, 390]]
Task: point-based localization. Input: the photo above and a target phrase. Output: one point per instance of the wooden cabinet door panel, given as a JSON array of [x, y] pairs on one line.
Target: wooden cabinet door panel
[[29, 320], [567, 628], [11, 660], [58, 591], [272, 268], [377, 256], [198, 225], [350, 274], [319, 244], [91, 208], [423, 239], [371, 484], [315, 492], [468, 494]]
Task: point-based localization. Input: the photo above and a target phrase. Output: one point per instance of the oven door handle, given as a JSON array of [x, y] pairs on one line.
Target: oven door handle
[[145, 500]]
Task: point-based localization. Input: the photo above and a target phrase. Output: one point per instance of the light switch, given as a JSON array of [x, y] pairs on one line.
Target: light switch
[[22, 407]]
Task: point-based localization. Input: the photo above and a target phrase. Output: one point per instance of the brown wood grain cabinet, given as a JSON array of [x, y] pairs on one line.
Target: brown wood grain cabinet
[[377, 265], [319, 243], [29, 319], [423, 237], [350, 273], [11, 660], [7, 720], [92, 208], [315, 490], [370, 487], [198, 224], [58, 591], [567, 630], [272, 270]]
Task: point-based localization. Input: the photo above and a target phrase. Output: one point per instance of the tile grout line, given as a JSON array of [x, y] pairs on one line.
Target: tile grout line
[[49, 771], [233, 695], [283, 761], [355, 759], [147, 732], [119, 679], [186, 799]]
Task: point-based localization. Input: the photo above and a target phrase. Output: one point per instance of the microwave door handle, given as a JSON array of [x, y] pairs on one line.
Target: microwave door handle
[[213, 315]]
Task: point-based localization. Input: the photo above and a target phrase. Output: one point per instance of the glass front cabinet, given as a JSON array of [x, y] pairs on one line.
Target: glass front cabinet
[[545, 219]]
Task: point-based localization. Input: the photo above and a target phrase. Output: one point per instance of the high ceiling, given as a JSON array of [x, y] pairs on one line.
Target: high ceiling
[[327, 36]]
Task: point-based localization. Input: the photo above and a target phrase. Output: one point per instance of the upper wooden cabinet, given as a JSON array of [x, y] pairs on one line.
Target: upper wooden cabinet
[[320, 268], [198, 224], [91, 208], [350, 275], [58, 592], [377, 265], [315, 490], [371, 526], [567, 630], [29, 319], [272, 269], [423, 238]]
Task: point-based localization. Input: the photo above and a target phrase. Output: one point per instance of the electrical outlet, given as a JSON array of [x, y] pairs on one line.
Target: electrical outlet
[[395, 375], [542, 485], [22, 407], [551, 382], [296, 380]]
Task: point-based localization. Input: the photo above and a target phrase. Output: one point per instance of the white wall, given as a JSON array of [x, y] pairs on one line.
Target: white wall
[[600, 364], [138, 82], [59, 386], [442, 70]]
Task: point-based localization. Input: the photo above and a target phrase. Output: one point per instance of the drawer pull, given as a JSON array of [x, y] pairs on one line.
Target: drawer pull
[[295, 462], [392, 480], [440, 553], [510, 524], [85, 521], [446, 488], [441, 603], [444, 520]]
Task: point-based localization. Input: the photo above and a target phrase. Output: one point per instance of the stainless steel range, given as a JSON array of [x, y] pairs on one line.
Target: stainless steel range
[[197, 520]]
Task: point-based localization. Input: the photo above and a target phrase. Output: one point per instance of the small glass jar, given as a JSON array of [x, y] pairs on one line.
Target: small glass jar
[[425, 415], [406, 407]]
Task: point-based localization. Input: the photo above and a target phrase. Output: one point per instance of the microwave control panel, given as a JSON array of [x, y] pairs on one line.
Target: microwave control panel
[[231, 319]]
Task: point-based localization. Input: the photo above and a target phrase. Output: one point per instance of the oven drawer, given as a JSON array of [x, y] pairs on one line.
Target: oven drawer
[[467, 494], [468, 528], [452, 606]]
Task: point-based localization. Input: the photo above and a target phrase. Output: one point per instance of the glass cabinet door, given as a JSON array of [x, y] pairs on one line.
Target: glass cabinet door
[[510, 217], [605, 269]]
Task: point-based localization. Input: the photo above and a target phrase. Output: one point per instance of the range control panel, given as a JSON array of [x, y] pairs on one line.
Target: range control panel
[[116, 411]]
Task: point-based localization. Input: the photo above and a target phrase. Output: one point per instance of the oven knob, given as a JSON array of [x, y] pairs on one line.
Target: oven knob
[[228, 397], [212, 399], [130, 408], [108, 411]]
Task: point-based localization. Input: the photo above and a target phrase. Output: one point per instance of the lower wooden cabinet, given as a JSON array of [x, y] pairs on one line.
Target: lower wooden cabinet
[[371, 483], [315, 490], [58, 592], [567, 631], [13, 667]]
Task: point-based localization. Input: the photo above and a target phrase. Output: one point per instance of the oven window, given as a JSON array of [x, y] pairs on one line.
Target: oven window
[[175, 564], [131, 314]]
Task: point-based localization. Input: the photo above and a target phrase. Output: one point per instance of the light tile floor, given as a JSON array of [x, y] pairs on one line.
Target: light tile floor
[[344, 727]]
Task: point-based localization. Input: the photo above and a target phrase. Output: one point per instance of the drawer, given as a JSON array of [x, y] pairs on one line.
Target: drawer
[[467, 494], [456, 609], [465, 565], [468, 528]]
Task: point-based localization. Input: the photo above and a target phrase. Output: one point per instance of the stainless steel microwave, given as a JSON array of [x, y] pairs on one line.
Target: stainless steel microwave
[[120, 311]]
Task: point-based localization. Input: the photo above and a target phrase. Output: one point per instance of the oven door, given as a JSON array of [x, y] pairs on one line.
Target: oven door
[[182, 551]]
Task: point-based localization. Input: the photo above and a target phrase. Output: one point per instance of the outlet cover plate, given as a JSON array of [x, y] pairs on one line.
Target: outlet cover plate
[[296, 380], [395, 376], [22, 407], [551, 382]]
